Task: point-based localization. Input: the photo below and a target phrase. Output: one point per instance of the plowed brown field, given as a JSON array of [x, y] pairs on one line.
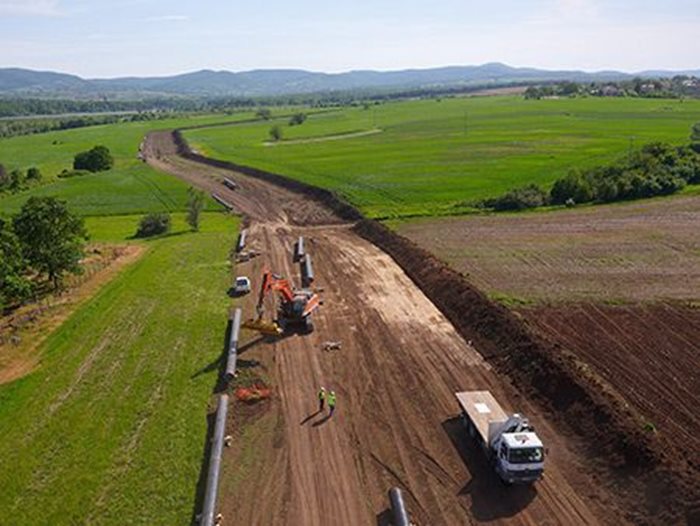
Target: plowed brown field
[[650, 353], [400, 363]]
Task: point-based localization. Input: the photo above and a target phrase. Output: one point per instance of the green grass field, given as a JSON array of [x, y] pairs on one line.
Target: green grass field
[[130, 187], [110, 428], [429, 156]]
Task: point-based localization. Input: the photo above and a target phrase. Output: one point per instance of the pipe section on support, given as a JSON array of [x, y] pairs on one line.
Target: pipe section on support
[[398, 508], [307, 271], [242, 237], [299, 249], [217, 446], [216, 197], [233, 345]]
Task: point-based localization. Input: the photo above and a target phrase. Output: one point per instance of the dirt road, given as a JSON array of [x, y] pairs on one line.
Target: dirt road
[[400, 363]]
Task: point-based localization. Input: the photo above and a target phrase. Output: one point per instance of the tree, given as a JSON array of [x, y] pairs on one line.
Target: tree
[[297, 118], [276, 133], [33, 174], [153, 224], [195, 205], [96, 160], [264, 114], [52, 238], [15, 180], [695, 137], [14, 286]]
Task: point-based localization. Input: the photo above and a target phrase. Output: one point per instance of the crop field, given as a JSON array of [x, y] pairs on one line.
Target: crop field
[[130, 187], [110, 427], [434, 157], [648, 250]]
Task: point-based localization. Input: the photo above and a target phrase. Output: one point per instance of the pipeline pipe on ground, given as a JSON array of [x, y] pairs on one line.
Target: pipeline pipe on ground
[[233, 345], [240, 243], [307, 271], [299, 249], [216, 197], [230, 183], [212, 487], [398, 508]]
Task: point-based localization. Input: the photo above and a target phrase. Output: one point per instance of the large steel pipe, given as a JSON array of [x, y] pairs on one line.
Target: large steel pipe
[[217, 447], [233, 345], [307, 271], [216, 197], [242, 237], [398, 508], [229, 183], [299, 249]]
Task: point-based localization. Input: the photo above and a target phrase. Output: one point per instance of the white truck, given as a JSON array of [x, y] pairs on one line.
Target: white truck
[[510, 442]]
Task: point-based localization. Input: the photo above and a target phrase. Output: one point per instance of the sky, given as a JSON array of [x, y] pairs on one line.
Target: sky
[[110, 38]]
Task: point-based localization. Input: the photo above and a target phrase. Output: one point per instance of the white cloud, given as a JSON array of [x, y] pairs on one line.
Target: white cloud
[[29, 7], [169, 18]]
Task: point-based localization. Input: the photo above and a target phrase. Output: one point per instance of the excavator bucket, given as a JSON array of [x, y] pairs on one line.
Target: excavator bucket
[[269, 328]]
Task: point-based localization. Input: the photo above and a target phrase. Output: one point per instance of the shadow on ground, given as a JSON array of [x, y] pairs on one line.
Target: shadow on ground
[[490, 498]]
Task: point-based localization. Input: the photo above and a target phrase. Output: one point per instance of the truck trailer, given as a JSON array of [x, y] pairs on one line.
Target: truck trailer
[[509, 441]]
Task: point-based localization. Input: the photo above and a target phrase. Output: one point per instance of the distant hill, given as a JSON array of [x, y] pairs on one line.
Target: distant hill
[[16, 81]]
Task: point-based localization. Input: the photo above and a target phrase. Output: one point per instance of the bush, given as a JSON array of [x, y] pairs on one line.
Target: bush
[[16, 179], [574, 187], [297, 118], [66, 174], [153, 224], [276, 133], [33, 174], [264, 114], [530, 196], [98, 159]]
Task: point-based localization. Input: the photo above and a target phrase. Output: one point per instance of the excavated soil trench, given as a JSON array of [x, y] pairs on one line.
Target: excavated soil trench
[[402, 358]]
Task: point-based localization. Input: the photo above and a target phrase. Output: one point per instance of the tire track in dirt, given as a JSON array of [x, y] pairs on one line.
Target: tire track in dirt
[[400, 363]]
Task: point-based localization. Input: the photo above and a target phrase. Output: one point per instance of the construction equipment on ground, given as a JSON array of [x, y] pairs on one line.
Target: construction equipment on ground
[[294, 310], [509, 441]]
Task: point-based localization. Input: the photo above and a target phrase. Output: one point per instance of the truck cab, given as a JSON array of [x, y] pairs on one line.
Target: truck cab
[[519, 457]]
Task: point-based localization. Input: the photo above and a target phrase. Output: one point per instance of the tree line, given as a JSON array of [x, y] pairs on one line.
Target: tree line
[[655, 169], [13, 128], [671, 88]]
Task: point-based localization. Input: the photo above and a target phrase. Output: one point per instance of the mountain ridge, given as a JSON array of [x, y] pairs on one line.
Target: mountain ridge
[[275, 82]]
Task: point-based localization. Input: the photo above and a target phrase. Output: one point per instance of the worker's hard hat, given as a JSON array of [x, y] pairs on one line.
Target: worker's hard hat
[[332, 392], [323, 388]]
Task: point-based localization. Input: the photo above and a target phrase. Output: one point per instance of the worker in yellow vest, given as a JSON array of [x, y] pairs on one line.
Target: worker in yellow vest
[[331, 402], [321, 399]]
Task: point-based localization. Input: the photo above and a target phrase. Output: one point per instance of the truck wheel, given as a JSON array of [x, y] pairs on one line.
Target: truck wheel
[[471, 429], [308, 326]]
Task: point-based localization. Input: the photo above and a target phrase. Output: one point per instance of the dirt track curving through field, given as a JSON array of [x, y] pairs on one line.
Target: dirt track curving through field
[[400, 363]]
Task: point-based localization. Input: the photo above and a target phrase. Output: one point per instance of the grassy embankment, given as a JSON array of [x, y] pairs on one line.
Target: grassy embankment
[[429, 157], [109, 426]]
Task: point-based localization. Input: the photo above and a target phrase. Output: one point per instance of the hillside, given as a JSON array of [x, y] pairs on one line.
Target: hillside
[[15, 81]]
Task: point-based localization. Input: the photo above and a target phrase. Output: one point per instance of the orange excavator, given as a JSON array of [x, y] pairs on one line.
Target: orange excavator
[[295, 307]]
